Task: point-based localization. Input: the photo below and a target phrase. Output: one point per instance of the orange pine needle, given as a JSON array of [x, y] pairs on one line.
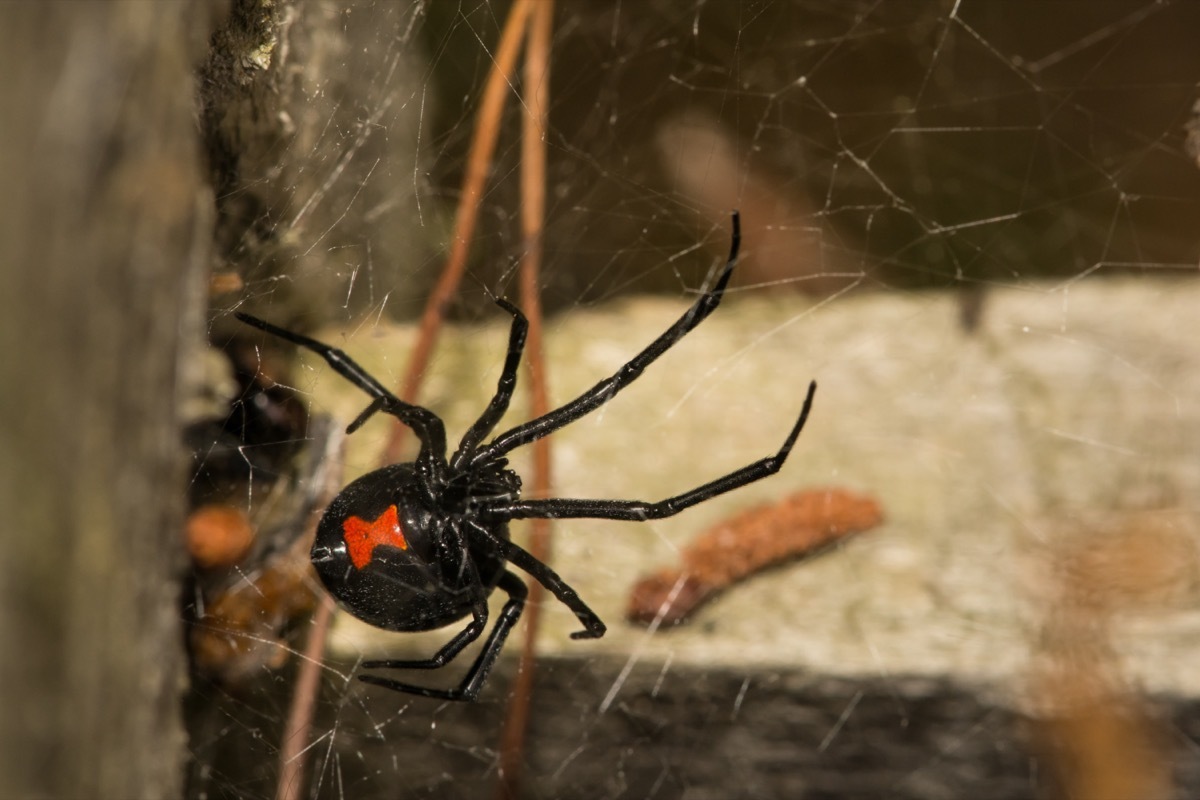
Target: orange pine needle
[[738, 547]]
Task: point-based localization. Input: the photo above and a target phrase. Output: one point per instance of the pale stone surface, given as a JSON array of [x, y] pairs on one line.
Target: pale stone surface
[[1072, 406]]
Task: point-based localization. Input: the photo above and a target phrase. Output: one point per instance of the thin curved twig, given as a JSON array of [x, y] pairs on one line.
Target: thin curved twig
[[300, 713], [479, 162], [533, 214]]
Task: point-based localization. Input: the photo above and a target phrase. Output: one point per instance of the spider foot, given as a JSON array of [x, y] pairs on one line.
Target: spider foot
[[593, 631]]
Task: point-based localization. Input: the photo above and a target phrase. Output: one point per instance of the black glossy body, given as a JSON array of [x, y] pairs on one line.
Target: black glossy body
[[444, 549], [426, 586]]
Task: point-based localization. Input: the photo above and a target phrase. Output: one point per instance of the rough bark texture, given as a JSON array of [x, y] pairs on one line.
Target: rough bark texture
[[310, 112], [104, 236]]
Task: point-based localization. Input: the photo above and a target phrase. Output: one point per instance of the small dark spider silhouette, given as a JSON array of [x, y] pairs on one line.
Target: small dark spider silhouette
[[414, 547]]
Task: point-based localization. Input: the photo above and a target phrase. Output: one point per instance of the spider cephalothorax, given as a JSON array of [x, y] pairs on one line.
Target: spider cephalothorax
[[416, 546]]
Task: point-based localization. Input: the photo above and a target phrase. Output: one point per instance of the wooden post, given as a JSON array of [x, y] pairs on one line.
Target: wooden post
[[104, 235]]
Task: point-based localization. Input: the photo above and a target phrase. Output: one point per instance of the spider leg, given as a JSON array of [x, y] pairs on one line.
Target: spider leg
[[594, 627], [479, 620], [427, 425], [504, 390], [469, 688], [603, 391], [641, 510]]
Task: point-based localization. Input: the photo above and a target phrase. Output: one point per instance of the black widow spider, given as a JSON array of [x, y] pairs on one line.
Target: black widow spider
[[416, 546]]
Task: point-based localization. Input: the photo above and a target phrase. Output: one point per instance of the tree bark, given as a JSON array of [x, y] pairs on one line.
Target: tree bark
[[105, 228]]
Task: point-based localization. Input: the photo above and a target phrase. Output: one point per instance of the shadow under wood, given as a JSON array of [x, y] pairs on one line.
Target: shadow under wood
[[673, 732]]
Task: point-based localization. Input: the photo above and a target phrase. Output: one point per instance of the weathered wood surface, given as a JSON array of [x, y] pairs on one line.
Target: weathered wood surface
[[105, 229]]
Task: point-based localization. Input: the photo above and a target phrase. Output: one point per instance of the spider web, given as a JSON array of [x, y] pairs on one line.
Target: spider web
[[972, 222]]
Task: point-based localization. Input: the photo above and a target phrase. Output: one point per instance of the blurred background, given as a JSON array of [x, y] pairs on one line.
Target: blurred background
[[973, 222]]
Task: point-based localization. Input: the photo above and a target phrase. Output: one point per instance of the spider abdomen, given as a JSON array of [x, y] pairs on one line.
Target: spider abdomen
[[380, 551]]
